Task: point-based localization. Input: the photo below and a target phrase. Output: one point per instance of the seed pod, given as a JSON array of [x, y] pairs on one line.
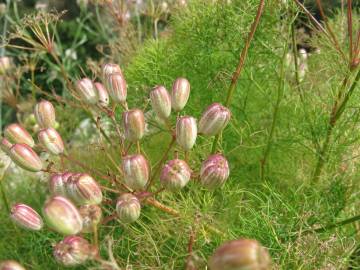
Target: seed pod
[[62, 216], [175, 174], [186, 132], [102, 94], [109, 69], [116, 85], [214, 171], [134, 124], [83, 189], [5, 64], [17, 134], [51, 140], [25, 157], [136, 171], [87, 91], [214, 119], [45, 114], [128, 208], [180, 94], [26, 217], [11, 265], [57, 183], [161, 102], [243, 254], [5, 145], [73, 250], [91, 215]]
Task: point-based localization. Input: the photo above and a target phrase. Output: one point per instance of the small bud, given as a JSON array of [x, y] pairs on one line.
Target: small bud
[[134, 124], [51, 140], [186, 132], [136, 171], [5, 145], [116, 85], [73, 250], [102, 94], [25, 157], [214, 171], [91, 215], [11, 265], [57, 183], [62, 216], [45, 114], [161, 102], [109, 69], [83, 189], [243, 254], [87, 91], [5, 64], [17, 134], [175, 174], [180, 94], [128, 208], [214, 119], [26, 217]]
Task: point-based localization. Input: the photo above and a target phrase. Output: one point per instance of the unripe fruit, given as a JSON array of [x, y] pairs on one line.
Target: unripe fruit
[[57, 183], [109, 69], [103, 94], [134, 124], [136, 171], [11, 265], [17, 134], [25, 157], [161, 102], [83, 189], [91, 215], [26, 217], [186, 132], [243, 254], [51, 140], [175, 174], [87, 91], [128, 208], [214, 119], [5, 145], [180, 94], [5, 64], [62, 216], [214, 171], [116, 86], [45, 114]]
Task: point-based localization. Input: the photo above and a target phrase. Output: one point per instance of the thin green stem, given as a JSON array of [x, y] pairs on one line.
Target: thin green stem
[[4, 197]]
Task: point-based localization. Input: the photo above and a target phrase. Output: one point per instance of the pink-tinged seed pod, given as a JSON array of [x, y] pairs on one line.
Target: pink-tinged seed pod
[[51, 140], [243, 254], [175, 174], [161, 102], [134, 124], [128, 208], [214, 119], [214, 171], [26, 217], [116, 85], [17, 134], [109, 69], [180, 94], [136, 171], [25, 157], [186, 132], [102, 94], [5, 64], [83, 189], [91, 215], [11, 265], [5, 145], [73, 250], [87, 91], [62, 216], [57, 183], [44, 113]]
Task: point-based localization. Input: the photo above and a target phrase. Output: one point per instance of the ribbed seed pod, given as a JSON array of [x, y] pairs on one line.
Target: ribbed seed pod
[[134, 124], [44, 113], [214, 119], [214, 171], [11, 265], [5, 145], [26, 217], [128, 208], [109, 69], [180, 94], [136, 171], [243, 254], [91, 215], [17, 134], [83, 189], [186, 132], [103, 94], [25, 157], [57, 183], [175, 174], [117, 88], [161, 102], [51, 140], [62, 216], [87, 91]]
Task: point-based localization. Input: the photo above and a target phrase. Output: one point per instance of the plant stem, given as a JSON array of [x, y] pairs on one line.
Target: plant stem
[[3, 195], [164, 208]]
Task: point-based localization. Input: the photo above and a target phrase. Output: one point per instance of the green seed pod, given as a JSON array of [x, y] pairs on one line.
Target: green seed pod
[[17, 134], [186, 132], [103, 94], [136, 171], [214, 120], [11, 265], [44, 113], [134, 124], [87, 91], [25, 157], [175, 174], [180, 94], [51, 140], [214, 171], [117, 88], [128, 208], [91, 215], [26, 217], [161, 102], [83, 189], [57, 183], [5, 145]]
